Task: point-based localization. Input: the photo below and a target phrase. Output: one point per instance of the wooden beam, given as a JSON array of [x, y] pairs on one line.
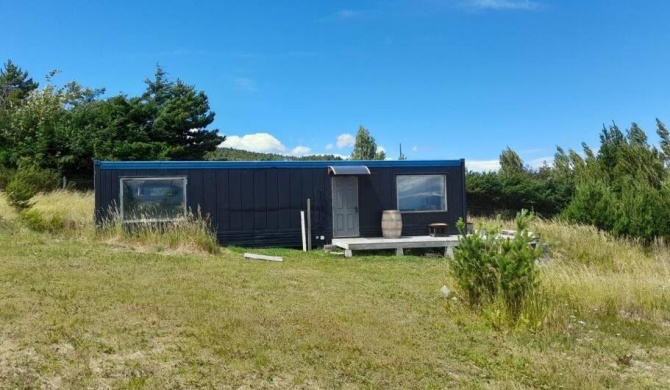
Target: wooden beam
[[262, 257]]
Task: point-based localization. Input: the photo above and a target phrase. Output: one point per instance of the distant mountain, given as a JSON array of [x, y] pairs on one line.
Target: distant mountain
[[230, 154]]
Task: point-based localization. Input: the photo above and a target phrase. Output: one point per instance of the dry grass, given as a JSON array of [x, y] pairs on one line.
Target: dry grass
[[70, 214], [597, 273], [7, 213], [77, 314], [71, 210], [75, 206], [193, 234], [125, 312]]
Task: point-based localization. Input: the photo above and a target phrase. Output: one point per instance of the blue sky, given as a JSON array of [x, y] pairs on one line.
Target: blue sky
[[444, 78]]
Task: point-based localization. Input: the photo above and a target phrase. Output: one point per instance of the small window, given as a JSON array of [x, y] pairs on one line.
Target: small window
[[153, 199], [422, 192]]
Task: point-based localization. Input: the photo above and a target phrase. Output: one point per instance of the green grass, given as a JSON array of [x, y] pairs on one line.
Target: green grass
[[78, 312]]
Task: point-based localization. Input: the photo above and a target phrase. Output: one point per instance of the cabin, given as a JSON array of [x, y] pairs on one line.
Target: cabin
[[259, 203]]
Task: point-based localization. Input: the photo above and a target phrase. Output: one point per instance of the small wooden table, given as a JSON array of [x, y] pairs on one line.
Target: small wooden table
[[438, 229]]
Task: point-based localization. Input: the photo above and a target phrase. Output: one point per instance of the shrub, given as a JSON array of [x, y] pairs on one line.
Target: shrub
[[631, 209], [488, 268], [492, 193], [6, 175], [27, 182], [35, 220]]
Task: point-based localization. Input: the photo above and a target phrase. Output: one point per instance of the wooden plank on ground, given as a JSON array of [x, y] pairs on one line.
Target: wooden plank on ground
[[255, 256]]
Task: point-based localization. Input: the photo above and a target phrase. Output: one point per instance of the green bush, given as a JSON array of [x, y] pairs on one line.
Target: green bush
[[35, 220], [6, 175], [632, 209], [493, 193], [594, 204], [489, 268], [27, 182]]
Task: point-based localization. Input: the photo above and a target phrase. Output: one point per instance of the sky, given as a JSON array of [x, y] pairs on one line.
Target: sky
[[446, 79]]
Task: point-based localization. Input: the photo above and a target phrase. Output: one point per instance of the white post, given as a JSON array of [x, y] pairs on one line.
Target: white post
[[302, 228], [309, 224]]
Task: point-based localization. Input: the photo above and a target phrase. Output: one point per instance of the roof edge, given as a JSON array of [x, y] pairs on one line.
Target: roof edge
[[175, 165]]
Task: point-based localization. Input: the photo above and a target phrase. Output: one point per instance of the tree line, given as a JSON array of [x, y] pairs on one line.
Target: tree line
[[52, 130], [232, 154], [64, 127], [622, 188]]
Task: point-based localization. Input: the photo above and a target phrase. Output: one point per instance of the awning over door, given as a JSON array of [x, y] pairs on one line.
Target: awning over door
[[348, 170]]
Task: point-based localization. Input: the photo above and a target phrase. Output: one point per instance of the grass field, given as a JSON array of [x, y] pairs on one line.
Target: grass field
[[80, 311]]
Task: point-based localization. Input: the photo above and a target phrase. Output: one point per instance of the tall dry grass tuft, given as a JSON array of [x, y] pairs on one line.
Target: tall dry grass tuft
[[587, 245], [70, 213], [596, 274], [60, 211], [592, 275], [74, 205], [192, 233], [7, 213]]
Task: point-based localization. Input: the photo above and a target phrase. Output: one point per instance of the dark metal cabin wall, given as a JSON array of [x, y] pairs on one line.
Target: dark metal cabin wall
[[378, 192], [260, 206], [247, 207]]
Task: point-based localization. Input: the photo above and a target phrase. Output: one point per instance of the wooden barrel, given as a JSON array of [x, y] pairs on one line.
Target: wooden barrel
[[391, 223]]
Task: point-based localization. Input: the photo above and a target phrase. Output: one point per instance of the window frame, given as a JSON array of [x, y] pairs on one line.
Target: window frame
[[397, 193], [184, 187]]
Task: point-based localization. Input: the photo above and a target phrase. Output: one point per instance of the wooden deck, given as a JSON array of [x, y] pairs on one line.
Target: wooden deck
[[370, 243]]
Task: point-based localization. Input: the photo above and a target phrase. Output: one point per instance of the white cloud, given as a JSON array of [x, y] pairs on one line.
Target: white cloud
[[381, 149], [345, 140], [415, 149], [504, 4], [263, 143], [300, 151], [330, 146], [258, 142], [494, 165], [482, 165], [244, 84]]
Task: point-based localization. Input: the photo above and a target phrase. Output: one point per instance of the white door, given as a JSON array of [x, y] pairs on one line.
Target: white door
[[345, 206]]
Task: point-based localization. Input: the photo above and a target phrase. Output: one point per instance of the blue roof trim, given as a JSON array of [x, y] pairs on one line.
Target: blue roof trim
[[174, 165]]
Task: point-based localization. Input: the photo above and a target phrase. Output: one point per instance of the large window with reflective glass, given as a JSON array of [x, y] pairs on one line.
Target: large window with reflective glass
[[421, 192], [153, 199]]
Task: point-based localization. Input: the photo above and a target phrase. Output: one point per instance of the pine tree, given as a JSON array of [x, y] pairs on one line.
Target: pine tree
[[510, 162], [365, 147], [15, 85], [636, 136], [180, 119], [663, 134]]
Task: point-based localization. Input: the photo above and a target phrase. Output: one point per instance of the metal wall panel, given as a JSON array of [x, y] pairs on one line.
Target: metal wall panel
[[252, 204]]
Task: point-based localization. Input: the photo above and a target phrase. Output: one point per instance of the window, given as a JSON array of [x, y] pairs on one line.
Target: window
[[422, 192], [153, 199]]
